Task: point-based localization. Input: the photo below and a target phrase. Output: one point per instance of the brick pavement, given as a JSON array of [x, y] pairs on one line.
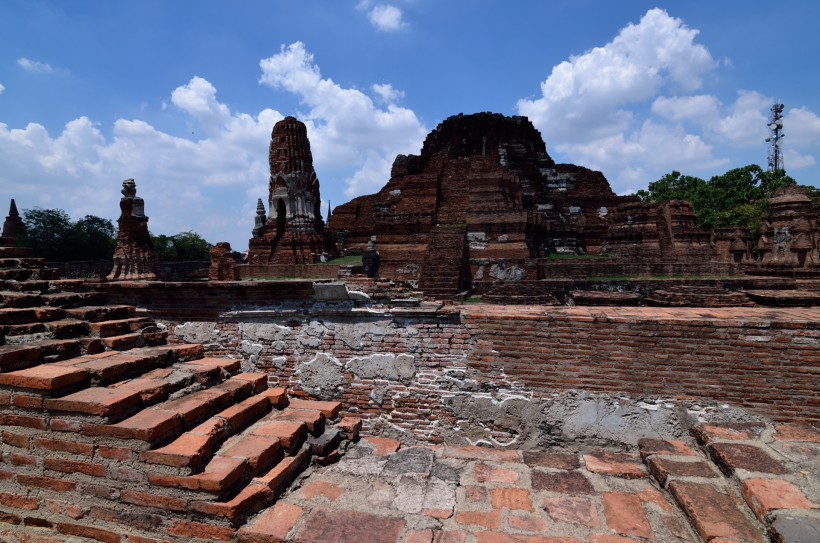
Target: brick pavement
[[730, 483]]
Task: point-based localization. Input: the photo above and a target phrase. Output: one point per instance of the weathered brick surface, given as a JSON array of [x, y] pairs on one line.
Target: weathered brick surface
[[664, 468], [272, 525], [766, 495], [324, 525], [626, 465], [625, 515], [571, 482], [734, 456], [582, 511], [714, 513]]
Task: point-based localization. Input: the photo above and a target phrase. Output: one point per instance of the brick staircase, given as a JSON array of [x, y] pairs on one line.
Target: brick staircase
[[745, 482], [443, 267], [109, 434]]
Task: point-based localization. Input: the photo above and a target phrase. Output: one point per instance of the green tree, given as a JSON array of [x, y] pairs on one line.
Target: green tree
[[53, 236], [47, 232], [92, 238], [181, 247], [739, 197], [191, 246]]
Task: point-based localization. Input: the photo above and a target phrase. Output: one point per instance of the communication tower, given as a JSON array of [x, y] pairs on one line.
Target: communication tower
[[775, 139]]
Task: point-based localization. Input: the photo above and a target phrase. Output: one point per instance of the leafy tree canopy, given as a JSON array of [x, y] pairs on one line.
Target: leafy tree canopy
[[737, 198], [181, 247], [53, 236]]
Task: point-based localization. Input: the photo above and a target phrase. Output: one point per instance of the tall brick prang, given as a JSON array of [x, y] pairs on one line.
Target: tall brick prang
[[292, 231]]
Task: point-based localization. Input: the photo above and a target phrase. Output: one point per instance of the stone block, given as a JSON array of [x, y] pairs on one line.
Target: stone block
[[733, 456], [341, 526], [583, 511], [765, 495], [569, 482], [664, 468], [714, 513]]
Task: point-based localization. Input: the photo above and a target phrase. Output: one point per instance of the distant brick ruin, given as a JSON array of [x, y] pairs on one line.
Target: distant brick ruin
[[134, 257], [484, 202], [484, 209], [13, 226]]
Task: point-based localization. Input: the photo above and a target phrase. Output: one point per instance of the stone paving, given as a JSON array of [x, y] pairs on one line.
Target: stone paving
[[732, 483]]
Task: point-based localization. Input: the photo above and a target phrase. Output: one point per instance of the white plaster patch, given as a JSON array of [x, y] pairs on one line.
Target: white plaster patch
[[384, 366]]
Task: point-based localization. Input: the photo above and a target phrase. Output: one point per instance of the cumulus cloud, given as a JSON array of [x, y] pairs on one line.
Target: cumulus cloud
[[34, 66], [794, 160], [198, 98], [346, 128], [386, 17], [2, 88], [745, 123], [685, 108], [588, 94], [802, 127], [191, 181], [635, 108], [187, 184], [386, 93]]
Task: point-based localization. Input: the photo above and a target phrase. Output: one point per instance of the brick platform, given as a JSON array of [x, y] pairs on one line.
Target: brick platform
[[385, 493]]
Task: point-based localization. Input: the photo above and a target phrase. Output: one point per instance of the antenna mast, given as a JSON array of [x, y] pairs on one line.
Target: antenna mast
[[775, 138]]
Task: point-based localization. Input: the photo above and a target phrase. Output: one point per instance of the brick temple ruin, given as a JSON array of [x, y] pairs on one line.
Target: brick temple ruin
[[370, 406], [483, 207]]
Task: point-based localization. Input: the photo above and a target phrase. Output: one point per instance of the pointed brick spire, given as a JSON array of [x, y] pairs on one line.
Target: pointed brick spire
[[13, 225]]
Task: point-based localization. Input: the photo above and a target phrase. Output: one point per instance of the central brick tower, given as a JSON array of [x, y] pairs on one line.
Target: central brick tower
[[291, 232]]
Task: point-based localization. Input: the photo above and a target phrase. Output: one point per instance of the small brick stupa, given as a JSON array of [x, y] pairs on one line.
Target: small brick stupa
[[135, 257], [13, 226], [291, 233]]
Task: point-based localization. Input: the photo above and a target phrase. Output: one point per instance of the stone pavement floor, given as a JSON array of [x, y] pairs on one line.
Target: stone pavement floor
[[732, 483]]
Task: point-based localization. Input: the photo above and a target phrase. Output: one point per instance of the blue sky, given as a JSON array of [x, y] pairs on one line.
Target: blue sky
[[182, 95]]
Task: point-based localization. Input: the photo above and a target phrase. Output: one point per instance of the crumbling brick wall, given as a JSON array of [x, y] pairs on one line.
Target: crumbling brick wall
[[490, 373]]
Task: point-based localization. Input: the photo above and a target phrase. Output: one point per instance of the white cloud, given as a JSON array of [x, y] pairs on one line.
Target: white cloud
[[647, 151], [793, 160], [802, 127], [2, 88], [34, 66], [387, 94], [745, 125], [345, 127], [386, 17], [187, 184], [588, 94], [198, 98], [681, 108]]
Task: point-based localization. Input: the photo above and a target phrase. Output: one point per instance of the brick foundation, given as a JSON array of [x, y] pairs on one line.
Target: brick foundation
[[428, 374]]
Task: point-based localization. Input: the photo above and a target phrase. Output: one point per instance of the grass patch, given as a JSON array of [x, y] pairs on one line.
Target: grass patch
[[657, 278], [353, 260], [573, 256], [472, 300]]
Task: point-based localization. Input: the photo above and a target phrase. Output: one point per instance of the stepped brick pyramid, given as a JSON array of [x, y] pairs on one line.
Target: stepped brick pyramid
[[484, 201], [109, 434]]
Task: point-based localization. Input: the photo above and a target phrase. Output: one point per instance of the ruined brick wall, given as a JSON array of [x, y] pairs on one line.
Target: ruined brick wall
[[756, 358], [491, 373]]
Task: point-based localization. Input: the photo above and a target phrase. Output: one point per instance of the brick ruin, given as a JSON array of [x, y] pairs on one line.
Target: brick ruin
[[134, 256], [137, 411], [483, 209], [13, 226], [483, 204], [292, 231]]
